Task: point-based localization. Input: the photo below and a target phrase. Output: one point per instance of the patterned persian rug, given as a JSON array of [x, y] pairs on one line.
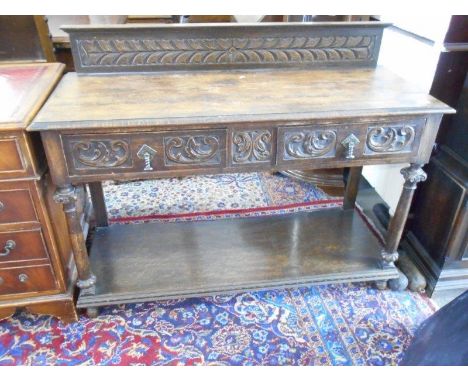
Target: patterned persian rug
[[351, 324]]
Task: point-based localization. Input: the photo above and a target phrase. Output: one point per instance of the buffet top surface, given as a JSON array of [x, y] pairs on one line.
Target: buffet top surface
[[207, 97]]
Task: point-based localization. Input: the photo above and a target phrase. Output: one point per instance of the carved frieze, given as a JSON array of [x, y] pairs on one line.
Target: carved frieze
[[389, 139], [306, 144], [102, 153], [251, 146], [199, 149], [218, 51]]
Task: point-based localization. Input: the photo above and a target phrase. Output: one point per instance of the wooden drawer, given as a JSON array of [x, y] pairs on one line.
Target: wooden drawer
[[21, 155], [347, 142], [22, 245], [10, 160], [16, 205], [145, 152], [26, 279], [247, 147]]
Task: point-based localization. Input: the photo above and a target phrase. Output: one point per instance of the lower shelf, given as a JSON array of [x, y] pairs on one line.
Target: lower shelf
[[145, 262]]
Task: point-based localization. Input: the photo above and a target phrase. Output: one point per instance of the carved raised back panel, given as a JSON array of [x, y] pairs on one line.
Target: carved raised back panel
[[217, 46]]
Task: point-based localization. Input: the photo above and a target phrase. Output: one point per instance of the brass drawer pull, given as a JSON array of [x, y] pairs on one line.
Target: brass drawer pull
[[350, 143], [9, 245], [147, 154], [2, 206], [1, 280], [23, 277]]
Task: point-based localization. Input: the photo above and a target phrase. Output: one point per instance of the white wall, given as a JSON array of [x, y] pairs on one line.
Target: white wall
[[416, 61]]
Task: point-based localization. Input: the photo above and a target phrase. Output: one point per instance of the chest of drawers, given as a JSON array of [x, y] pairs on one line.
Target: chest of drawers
[[36, 266]]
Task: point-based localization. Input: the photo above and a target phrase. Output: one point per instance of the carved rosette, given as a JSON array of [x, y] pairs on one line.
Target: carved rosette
[[251, 146], [309, 144], [192, 150], [103, 153], [413, 175], [219, 51], [391, 139]]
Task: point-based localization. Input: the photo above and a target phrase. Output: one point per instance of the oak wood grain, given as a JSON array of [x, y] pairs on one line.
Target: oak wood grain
[[149, 261], [159, 100]]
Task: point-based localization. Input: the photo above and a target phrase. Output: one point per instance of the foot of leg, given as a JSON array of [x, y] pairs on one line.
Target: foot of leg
[[399, 284], [92, 312], [381, 284]]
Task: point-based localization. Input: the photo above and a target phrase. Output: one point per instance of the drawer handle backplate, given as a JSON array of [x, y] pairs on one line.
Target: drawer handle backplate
[[9, 245], [350, 143], [147, 154], [23, 277]]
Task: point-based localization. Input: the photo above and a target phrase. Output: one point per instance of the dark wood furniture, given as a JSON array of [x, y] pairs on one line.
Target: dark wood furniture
[[441, 340], [437, 238], [36, 264], [25, 38], [176, 100]]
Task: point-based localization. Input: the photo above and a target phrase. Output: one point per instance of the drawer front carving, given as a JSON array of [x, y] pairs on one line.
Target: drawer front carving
[[22, 245], [251, 146], [393, 138], [307, 142], [192, 149], [10, 158], [100, 153], [240, 148], [144, 152], [26, 279], [16, 206]]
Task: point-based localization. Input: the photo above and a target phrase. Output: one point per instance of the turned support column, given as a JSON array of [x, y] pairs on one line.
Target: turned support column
[[68, 196], [412, 174]]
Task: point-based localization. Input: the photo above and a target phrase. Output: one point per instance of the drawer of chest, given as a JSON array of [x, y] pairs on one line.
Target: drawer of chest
[[26, 279], [22, 245], [345, 142], [11, 159], [21, 155], [142, 152], [16, 206]]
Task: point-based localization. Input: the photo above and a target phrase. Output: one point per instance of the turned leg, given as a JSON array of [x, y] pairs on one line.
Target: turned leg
[[68, 196], [352, 186], [92, 312], [99, 204], [412, 174]]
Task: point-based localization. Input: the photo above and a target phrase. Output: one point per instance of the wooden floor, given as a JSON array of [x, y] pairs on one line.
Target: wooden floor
[[144, 262]]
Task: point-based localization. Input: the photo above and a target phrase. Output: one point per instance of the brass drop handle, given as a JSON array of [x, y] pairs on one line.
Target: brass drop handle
[[350, 144], [23, 277], [147, 154], [9, 245]]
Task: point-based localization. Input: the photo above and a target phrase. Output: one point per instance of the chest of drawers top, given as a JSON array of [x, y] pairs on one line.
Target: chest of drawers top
[[23, 89]]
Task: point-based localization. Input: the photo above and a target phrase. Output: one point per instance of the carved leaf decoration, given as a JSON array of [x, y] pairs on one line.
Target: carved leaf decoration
[[191, 149], [251, 146], [259, 50], [383, 139], [309, 144], [101, 153]]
